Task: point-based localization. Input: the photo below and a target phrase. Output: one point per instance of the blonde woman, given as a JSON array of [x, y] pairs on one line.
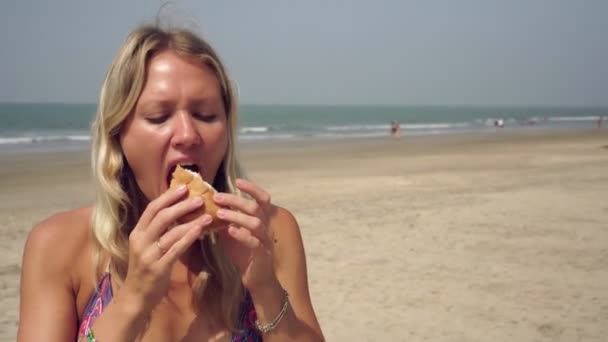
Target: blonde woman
[[123, 269]]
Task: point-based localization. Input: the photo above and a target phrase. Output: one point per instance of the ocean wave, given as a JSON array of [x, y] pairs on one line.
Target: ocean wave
[[352, 135], [267, 136], [573, 118], [42, 139], [360, 127], [386, 127], [434, 126], [255, 129]]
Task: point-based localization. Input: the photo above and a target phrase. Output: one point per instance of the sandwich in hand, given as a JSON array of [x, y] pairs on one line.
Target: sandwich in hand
[[198, 187]]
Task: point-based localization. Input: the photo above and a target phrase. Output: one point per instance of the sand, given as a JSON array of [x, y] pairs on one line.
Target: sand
[[494, 237]]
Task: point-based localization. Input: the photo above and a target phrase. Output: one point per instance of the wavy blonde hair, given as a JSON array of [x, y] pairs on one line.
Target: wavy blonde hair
[[119, 201]]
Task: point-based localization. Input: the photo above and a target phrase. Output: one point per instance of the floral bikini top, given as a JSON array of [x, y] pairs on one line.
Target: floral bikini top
[[102, 297]]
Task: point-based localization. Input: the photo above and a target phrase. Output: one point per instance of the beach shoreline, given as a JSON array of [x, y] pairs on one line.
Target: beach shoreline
[[462, 237]]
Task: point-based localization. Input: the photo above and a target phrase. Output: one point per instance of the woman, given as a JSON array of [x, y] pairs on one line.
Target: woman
[[123, 269]]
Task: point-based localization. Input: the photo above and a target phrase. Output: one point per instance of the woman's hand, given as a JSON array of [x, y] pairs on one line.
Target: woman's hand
[[155, 244], [248, 241]]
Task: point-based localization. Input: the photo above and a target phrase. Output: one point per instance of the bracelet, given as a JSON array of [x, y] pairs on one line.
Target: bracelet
[[263, 329]]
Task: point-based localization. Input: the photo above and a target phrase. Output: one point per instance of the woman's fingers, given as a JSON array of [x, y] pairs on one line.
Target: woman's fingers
[[175, 242], [164, 200], [251, 214], [252, 223], [173, 235], [237, 202], [168, 216], [240, 218], [244, 236], [259, 194]]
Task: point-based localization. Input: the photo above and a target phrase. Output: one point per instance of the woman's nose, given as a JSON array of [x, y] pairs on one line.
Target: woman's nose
[[185, 134]]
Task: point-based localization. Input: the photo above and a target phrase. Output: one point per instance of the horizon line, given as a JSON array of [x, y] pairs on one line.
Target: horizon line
[[458, 105]]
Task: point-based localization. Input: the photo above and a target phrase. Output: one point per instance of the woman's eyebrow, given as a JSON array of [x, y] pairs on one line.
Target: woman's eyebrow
[[154, 105], [206, 102], [210, 103]]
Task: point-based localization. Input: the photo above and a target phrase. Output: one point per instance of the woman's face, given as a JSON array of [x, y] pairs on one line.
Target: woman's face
[[179, 118]]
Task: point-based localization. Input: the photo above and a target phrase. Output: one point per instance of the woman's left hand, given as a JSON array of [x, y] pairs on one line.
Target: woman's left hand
[[248, 240]]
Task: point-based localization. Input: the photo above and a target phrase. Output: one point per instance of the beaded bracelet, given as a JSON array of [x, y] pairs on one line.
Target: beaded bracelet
[[263, 329]]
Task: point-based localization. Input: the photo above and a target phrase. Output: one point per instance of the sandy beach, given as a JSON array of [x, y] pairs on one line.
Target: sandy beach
[[491, 237]]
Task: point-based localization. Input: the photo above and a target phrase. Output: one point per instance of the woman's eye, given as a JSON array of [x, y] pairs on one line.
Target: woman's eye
[[157, 119], [205, 117]]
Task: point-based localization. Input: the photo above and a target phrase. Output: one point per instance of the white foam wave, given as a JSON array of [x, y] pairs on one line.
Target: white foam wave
[[386, 127], [573, 118], [254, 129], [267, 136], [353, 135], [42, 139], [434, 126], [357, 128]]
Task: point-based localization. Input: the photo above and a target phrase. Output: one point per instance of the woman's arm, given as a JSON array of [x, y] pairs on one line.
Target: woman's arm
[[300, 322], [47, 301], [265, 244]]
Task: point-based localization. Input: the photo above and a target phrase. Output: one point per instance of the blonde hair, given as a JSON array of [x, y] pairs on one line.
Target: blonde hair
[[119, 201]]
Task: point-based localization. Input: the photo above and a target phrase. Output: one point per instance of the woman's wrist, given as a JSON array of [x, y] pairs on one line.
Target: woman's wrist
[[266, 291], [270, 302], [122, 320], [132, 307]]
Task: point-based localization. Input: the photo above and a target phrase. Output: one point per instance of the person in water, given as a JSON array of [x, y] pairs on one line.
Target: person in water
[[395, 128]]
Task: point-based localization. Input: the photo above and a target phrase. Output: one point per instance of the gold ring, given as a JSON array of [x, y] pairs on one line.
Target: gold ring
[[162, 250]]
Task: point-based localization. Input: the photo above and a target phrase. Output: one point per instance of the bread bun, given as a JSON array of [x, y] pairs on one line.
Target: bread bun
[[197, 187]]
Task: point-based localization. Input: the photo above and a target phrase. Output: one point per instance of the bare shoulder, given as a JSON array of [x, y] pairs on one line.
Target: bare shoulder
[[50, 276], [65, 229], [283, 221], [60, 239], [288, 247], [286, 234]]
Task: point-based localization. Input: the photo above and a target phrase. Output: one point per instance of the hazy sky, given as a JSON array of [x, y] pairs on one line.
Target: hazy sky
[[510, 52]]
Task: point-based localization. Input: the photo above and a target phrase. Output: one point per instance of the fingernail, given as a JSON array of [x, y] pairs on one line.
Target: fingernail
[[206, 219], [218, 197], [181, 188], [234, 230], [221, 213], [197, 201]]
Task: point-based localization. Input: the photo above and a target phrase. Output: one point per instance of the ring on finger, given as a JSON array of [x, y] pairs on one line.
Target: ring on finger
[[160, 248]]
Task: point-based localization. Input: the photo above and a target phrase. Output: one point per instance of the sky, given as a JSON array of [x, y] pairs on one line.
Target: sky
[[332, 52]]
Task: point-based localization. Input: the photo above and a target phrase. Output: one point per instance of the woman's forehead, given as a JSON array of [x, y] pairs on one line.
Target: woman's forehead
[[170, 76]]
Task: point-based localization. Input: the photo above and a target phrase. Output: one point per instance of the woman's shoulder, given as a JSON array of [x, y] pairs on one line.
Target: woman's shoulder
[[60, 239], [286, 235], [66, 227], [283, 222]]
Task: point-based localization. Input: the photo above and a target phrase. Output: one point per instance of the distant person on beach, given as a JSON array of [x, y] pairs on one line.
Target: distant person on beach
[[499, 123], [134, 265], [600, 121], [395, 128]]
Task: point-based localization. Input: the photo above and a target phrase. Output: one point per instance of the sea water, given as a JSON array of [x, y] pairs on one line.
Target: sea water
[[41, 126]]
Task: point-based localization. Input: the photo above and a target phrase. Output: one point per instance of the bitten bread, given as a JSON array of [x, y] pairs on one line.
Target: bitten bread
[[198, 187]]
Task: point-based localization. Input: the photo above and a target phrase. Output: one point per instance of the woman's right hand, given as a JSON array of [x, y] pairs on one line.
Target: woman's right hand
[[155, 244]]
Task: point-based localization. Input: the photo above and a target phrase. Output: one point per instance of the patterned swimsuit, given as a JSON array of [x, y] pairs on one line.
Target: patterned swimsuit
[[101, 298]]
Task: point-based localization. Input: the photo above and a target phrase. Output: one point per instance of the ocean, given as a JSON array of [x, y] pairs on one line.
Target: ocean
[[40, 126]]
